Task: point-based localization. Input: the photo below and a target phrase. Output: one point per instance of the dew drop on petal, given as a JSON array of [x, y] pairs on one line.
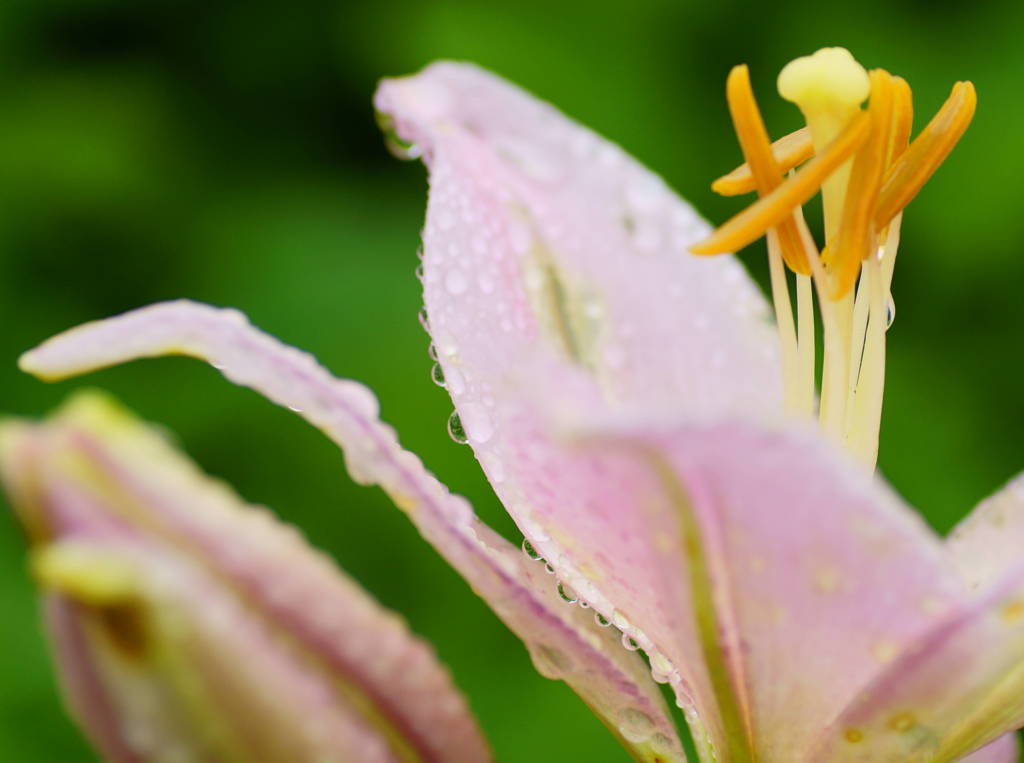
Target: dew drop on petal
[[476, 422], [567, 594], [635, 725], [455, 282], [437, 375], [455, 380], [530, 551], [455, 429]]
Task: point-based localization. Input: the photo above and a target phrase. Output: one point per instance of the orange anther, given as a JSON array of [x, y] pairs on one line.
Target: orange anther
[[765, 171], [926, 153], [788, 151], [902, 118], [768, 211]]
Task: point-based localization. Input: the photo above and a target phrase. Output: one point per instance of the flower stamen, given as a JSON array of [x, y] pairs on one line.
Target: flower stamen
[[867, 171], [768, 211], [789, 151], [929, 149]]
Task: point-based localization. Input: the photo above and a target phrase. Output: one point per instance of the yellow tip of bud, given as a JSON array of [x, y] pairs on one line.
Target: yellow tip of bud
[[84, 573], [830, 78]]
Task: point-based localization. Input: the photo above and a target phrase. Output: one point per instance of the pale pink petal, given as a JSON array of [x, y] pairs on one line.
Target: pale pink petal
[[97, 478], [543, 239], [807, 576], [960, 686], [1006, 749], [564, 641], [556, 279], [990, 541]]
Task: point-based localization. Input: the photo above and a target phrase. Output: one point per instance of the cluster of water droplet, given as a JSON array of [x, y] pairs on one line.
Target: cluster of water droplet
[[661, 668]]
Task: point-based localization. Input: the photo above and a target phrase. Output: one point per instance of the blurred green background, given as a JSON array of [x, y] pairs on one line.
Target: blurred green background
[[226, 151]]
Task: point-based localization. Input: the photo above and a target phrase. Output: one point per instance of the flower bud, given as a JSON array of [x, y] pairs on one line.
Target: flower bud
[[188, 626]]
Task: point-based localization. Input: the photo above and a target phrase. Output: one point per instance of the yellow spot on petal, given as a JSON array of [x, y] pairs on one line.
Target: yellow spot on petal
[[827, 580], [1013, 611], [885, 651], [853, 735], [901, 722], [663, 542]]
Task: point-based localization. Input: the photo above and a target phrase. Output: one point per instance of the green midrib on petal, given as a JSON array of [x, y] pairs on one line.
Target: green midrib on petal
[[738, 747]]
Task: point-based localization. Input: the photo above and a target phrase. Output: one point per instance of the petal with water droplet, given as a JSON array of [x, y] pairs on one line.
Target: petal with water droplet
[[596, 309], [794, 616], [185, 621], [564, 641]]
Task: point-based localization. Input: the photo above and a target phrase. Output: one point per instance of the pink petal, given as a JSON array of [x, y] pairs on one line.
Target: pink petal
[[1006, 749], [805, 575], [237, 585], [556, 280], [987, 544], [564, 641], [960, 687]]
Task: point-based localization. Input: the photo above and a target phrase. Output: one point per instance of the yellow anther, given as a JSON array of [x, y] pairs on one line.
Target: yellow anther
[[769, 211], [789, 151], [857, 236], [926, 153], [757, 150]]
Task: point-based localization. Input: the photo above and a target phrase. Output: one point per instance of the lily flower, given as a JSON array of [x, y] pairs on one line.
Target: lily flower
[[188, 626], [651, 432]]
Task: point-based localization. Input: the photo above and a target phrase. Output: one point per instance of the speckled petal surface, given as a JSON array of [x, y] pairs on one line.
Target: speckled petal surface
[[989, 542], [231, 636], [565, 641], [960, 687], [816, 575], [558, 287]]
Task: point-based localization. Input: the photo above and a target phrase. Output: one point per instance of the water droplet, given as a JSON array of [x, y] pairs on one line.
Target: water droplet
[[629, 642], [424, 320], [456, 382], [567, 594], [437, 375], [530, 551], [635, 725], [601, 620], [476, 422], [890, 313], [548, 568], [398, 146], [455, 282], [584, 604], [455, 430], [419, 271], [432, 352], [550, 662]]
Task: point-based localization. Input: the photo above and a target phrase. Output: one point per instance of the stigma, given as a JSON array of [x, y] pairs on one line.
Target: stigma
[[856, 151]]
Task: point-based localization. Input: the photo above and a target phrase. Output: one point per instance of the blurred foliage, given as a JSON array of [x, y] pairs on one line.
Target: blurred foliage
[[226, 151]]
